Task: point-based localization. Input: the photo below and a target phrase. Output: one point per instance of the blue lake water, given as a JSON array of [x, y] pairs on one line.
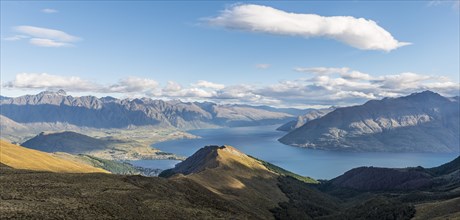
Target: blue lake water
[[261, 142]]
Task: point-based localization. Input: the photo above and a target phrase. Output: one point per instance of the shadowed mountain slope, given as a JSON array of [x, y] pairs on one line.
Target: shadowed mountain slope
[[446, 176], [420, 122], [67, 141]]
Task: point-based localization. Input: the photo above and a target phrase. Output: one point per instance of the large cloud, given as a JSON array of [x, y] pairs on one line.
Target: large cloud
[[48, 81], [344, 86], [360, 33], [45, 81], [326, 86]]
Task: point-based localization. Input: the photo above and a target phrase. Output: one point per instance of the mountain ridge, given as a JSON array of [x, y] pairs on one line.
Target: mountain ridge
[[420, 122], [109, 112]]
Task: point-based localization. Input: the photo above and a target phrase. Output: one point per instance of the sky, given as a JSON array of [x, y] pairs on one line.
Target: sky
[[278, 53]]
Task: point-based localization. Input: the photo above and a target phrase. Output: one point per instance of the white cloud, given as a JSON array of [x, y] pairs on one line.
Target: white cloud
[[355, 75], [263, 66], [344, 72], [353, 94], [339, 88], [344, 86], [172, 87], [39, 32], [401, 81], [15, 37], [48, 81], [45, 37], [360, 33], [76, 84], [200, 89], [206, 84], [47, 43], [322, 70], [49, 10], [198, 93], [132, 85]]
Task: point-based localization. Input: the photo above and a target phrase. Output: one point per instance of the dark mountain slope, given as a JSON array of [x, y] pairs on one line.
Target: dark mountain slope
[[421, 122], [381, 179], [446, 168], [400, 179], [70, 142]]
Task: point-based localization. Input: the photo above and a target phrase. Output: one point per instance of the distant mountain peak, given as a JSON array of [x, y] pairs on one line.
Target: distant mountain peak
[[60, 92], [425, 94]]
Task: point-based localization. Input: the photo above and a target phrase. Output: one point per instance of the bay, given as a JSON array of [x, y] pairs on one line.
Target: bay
[[262, 142]]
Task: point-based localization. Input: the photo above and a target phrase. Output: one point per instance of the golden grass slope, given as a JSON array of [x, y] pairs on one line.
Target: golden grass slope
[[23, 158]]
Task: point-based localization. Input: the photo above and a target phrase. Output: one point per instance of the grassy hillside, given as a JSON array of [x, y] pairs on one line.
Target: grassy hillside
[[113, 166], [23, 158], [252, 184], [284, 172], [214, 183], [448, 209], [106, 196]]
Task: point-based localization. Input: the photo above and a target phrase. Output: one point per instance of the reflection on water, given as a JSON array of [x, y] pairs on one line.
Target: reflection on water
[[261, 142]]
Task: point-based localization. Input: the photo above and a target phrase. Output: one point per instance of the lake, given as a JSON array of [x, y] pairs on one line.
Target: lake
[[261, 142]]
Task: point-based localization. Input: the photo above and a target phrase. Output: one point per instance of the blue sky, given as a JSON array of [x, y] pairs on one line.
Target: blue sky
[[255, 52]]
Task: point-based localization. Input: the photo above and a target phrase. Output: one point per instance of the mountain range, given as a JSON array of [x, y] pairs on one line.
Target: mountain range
[[420, 122], [109, 112]]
